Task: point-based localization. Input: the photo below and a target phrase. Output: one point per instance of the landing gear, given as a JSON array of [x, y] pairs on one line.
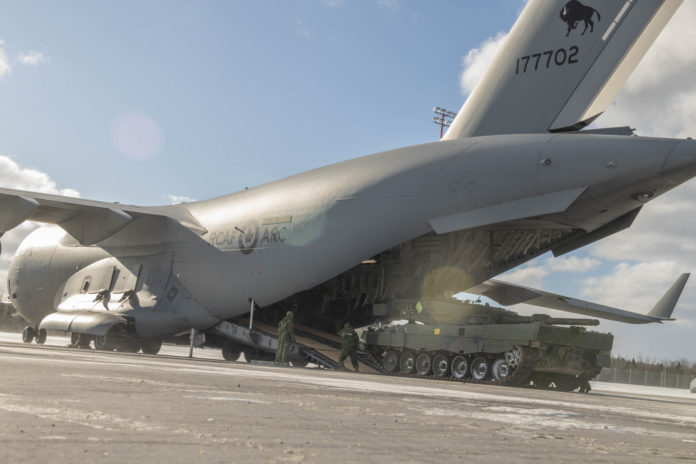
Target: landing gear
[[127, 346], [151, 347], [28, 335], [41, 336], [299, 363], [230, 354], [104, 342]]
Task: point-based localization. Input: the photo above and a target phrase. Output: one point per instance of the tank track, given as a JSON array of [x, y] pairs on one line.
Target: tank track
[[519, 376]]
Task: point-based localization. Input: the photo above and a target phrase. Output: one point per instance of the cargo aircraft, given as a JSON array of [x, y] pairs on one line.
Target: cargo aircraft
[[514, 177]]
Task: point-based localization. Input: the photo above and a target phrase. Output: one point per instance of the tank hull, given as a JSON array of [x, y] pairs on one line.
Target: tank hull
[[534, 354]]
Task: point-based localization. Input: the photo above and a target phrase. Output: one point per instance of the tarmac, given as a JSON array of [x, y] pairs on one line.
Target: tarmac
[[60, 404]]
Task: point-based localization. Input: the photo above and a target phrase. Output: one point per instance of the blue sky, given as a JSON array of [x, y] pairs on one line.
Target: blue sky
[[230, 94], [242, 92]]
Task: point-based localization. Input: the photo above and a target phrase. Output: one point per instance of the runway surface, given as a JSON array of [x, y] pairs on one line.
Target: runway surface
[[68, 405]]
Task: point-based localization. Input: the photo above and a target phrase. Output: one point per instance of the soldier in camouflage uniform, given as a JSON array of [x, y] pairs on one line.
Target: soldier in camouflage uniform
[[286, 336], [349, 346]]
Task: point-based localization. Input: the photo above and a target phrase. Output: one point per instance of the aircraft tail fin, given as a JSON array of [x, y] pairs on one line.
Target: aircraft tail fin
[[664, 307], [562, 64]]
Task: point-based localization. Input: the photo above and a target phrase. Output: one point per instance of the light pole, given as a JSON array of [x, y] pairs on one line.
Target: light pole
[[443, 117]]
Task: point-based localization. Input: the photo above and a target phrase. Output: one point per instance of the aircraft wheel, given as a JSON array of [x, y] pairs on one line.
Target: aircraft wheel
[[299, 363], [460, 367], [127, 346], [104, 343], [480, 369], [151, 347], [28, 335], [41, 336], [407, 362], [501, 371], [441, 365], [424, 364], [230, 354], [83, 341], [390, 361]]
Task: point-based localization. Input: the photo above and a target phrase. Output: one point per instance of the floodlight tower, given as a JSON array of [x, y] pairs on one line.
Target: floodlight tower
[[443, 117]]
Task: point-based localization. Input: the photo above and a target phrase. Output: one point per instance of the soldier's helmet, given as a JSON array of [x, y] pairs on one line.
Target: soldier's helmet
[[347, 326], [290, 314]]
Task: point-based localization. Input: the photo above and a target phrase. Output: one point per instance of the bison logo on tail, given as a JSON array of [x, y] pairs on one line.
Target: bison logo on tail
[[573, 12]]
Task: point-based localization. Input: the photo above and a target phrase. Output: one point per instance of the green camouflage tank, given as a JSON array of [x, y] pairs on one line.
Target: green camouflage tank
[[463, 340]]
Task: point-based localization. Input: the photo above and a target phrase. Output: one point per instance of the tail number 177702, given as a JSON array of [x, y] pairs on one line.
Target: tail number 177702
[[544, 59]]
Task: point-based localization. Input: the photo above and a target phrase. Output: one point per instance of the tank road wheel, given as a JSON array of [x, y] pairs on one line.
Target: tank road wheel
[[423, 364], [513, 357], [407, 362], [28, 334], [41, 336], [151, 347], [441, 365], [502, 371], [230, 354], [480, 369], [460, 367], [390, 361]]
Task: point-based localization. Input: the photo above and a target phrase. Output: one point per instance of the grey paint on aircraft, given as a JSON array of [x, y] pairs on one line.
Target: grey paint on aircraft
[[166, 269]]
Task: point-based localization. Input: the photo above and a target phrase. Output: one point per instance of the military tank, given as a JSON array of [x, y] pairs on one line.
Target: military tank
[[469, 341]]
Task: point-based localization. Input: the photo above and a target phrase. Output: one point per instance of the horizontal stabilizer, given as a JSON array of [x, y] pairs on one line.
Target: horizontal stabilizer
[[510, 294], [663, 308]]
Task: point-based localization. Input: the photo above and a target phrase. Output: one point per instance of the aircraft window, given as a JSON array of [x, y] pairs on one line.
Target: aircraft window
[[85, 286]]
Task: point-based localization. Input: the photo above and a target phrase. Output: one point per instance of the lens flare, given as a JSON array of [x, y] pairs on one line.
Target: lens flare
[[136, 135]]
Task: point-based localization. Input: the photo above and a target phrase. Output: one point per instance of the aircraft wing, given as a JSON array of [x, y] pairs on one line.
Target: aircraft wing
[[561, 65], [91, 222], [510, 294]]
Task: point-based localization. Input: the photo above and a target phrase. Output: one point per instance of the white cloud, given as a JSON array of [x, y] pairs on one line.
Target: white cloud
[[15, 177], [660, 96], [530, 275], [302, 29], [174, 199], [31, 58], [332, 3], [388, 3], [477, 60], [572, 264], [633, 286]]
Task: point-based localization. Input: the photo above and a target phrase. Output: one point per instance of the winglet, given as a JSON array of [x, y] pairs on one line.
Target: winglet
[[663, 308]]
